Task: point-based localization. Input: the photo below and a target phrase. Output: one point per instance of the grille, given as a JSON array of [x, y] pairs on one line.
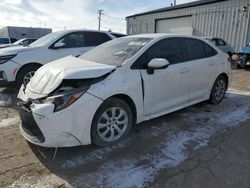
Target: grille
[[29, 125]]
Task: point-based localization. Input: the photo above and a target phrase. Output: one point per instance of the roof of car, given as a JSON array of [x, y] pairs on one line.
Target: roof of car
[[159, 35], [89, 30]]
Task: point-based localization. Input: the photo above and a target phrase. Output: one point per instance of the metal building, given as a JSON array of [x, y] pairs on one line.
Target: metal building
[[16, 33], [227, 19]]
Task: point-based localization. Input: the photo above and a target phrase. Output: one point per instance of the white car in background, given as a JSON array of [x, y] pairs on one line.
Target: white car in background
[[18, 64], [97, 97], [21, 42]]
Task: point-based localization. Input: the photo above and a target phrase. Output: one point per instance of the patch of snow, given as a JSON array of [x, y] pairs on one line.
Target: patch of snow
[[238, 92], [91, 156], [5, 99], [9, 122]]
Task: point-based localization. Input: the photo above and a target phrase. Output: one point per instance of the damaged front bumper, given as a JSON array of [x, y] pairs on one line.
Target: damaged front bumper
[[42, 126]]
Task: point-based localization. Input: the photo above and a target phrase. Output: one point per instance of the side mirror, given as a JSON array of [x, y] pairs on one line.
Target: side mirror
[[157, 63], [59, 45]]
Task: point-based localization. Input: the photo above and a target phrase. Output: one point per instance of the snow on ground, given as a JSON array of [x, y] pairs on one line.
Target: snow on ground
[[5, 99], [124, 172], [127, 172], [9, 122]]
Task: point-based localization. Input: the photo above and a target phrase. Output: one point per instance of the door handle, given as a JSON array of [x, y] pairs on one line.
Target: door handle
[[211, 63], [185, 70]]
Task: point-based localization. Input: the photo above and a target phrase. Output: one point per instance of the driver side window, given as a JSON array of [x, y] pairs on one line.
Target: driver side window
[[73, 40], [170, 49]]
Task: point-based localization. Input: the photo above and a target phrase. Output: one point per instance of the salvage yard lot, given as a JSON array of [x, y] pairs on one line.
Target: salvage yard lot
[[200, 146]]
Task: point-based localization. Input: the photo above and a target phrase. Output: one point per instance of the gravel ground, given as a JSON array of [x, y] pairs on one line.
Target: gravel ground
[[200, 146]]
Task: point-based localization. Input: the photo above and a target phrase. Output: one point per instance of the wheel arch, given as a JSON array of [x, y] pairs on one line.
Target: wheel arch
[[225, 76], [28, 65], [129, 101]]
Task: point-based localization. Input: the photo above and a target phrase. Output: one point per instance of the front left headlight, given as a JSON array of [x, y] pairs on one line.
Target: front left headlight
[[4, 59], [64, 100]]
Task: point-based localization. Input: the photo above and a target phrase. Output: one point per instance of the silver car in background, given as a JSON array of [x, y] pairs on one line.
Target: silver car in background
[[221, 44]]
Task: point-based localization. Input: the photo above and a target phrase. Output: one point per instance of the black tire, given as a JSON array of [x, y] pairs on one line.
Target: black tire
[[216, 98], [23, 72], [238, 66], [108, 104]]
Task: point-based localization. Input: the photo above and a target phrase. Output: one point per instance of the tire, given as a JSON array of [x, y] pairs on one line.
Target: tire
[[238, 66], [218, 90], [104, 125], [24, 72]]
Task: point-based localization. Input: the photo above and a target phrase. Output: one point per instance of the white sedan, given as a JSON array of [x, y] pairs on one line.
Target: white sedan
[[98, 97], [19, 63]]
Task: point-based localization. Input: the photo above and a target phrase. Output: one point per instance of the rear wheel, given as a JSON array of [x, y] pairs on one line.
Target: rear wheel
[[25, 74], [112, 122], [218, 90]]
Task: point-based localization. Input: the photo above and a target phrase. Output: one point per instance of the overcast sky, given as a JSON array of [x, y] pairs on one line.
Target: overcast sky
[[58, 14]]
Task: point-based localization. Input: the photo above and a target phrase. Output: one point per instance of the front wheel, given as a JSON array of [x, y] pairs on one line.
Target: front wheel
[[112, 122], [218, 90]]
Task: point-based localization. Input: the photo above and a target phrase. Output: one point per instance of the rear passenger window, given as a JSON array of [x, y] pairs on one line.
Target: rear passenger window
[[209, 51], [196, 49], [95, 38], [220, 42], [170, 49]]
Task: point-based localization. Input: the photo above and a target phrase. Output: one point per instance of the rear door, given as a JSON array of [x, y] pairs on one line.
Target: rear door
[[93, 39], [199, 59]]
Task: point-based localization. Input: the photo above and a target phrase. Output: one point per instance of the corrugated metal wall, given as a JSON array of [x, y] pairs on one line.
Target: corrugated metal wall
[[24, 32], [224, 19], [4, 32]]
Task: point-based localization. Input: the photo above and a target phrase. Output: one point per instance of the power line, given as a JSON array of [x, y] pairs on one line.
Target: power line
[[100, 13]]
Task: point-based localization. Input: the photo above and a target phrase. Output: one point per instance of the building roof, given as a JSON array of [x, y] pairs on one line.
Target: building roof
[[186, 5]]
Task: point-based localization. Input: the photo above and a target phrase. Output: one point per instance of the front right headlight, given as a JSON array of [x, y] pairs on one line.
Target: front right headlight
[[64, 100], [4, 59]]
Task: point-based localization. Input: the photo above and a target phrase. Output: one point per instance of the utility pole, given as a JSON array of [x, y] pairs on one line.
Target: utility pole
[[100, 13], [174, 2]]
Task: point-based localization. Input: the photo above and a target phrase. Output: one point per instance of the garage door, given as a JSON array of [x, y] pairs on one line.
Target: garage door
[[181, 25]]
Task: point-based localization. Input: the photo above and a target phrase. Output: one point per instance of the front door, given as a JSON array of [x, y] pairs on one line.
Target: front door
[[166, 89], [73, 45]]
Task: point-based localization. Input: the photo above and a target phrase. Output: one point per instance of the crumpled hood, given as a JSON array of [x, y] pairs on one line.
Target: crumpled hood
[[51, 75], [15, 49]]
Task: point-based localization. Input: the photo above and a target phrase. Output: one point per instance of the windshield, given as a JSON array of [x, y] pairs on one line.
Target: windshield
[[45, 40], [117, 51]]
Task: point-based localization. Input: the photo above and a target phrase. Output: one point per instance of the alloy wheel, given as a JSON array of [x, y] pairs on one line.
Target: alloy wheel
[[220, 90], [27, 77], [112, 124]]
